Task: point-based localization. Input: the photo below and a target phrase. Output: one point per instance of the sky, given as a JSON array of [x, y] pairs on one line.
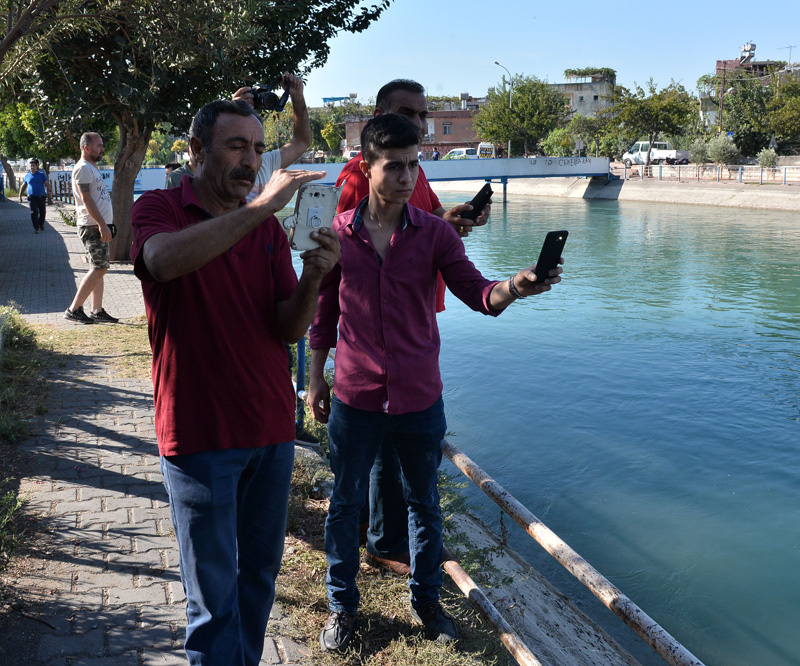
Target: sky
[[450, 46]]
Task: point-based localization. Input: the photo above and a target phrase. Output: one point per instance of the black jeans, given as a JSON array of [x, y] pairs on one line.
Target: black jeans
[[38, 209]]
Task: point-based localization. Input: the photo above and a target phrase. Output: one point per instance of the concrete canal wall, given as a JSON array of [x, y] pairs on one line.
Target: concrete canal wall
[[726, 194]]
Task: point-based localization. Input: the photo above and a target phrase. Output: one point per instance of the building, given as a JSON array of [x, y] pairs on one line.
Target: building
[[448, 127], [591, 94]]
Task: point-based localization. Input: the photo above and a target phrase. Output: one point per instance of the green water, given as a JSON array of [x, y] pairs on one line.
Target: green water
[[647, 410]]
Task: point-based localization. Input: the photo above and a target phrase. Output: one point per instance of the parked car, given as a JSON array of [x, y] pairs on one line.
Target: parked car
[[660, 153], [462, 154]]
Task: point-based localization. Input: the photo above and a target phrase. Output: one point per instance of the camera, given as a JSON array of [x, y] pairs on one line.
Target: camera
[[266, 100]]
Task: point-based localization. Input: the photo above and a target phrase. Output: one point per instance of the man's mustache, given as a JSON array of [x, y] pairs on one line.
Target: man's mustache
[[240, 173]]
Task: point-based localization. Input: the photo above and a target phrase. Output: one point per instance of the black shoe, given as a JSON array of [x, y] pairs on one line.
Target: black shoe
[[78, 315], [103, 317], [305, 438], [439, 626], [338, 631]]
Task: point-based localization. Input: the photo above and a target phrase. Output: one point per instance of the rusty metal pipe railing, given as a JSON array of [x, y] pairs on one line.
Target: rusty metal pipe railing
[[648, 629], [510, 639]]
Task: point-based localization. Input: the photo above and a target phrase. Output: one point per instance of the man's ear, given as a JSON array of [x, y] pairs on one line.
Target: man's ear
[[196, 150], [365, 168]]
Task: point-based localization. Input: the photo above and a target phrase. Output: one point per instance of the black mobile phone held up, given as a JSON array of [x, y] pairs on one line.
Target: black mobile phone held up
[[551, 252], [479, 202]]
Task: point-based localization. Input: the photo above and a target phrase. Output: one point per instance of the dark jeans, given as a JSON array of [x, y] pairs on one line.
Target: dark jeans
[[38, 209], [229, 512], [355, 437], [386, 510]]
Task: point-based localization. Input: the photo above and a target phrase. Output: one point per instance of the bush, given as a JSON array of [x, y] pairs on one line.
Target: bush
[[559, 143], [767, 158], [698, 151], [723, 150]]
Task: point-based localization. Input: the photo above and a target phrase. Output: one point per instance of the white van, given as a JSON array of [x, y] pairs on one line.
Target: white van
[[462, 154]]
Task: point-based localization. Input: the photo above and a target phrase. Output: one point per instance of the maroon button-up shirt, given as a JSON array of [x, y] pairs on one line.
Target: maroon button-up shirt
[[387, 353]]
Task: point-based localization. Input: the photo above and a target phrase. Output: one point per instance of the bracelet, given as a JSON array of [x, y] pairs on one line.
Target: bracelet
[[513, 288]]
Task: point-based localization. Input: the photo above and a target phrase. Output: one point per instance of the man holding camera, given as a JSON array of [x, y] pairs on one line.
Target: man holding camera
[[93, 209], [264, 99], [221, 296]]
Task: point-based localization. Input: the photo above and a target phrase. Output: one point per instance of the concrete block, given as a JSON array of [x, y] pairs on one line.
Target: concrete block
[[155, 594]]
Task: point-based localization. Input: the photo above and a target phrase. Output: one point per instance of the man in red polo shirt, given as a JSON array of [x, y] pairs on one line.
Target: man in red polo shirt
[[221, 296], [387, 538]]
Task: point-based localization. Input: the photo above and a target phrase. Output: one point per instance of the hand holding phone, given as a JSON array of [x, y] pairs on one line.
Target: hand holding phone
[[479, 202], [550, 254]]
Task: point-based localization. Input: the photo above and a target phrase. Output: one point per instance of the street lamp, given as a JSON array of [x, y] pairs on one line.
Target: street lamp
[[510, 90]]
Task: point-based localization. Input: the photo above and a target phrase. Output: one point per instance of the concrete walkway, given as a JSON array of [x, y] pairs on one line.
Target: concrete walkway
[[103, 580]]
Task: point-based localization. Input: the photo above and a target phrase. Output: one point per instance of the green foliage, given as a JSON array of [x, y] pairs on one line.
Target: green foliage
[[278, 127], [651, 112], [745, 113], [698, 152], [559, 143], [723, 150], [784, 110], [332, 135], [536, 109], [767, 158], [10, 504], [585, 72]]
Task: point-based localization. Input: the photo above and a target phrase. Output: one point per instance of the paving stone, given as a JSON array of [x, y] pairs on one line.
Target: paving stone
[[130, 658], [293, 653], [155, 594], [89, 644], [153, 636], [87, 580], [176, 657], [119, 517], [270, 654]]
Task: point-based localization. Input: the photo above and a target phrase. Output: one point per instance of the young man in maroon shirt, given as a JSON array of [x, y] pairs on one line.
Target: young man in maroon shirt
[[387, 542], [387, 386]]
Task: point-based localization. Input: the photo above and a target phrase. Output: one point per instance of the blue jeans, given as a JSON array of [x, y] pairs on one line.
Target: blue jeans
[[229, 512], [355, 436]]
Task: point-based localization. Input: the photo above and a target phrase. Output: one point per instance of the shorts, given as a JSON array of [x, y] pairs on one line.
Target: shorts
[[96, 249]]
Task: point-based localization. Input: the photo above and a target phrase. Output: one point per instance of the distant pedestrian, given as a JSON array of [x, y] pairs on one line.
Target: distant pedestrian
[[168, 169], [421, 156], [38, 188], [93, 209], [435, 155]]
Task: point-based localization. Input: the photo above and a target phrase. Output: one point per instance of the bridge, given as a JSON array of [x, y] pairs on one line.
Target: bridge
[[494, 170]]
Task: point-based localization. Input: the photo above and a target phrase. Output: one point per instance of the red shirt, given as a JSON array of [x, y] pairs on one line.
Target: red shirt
[[355, 187], [220, 373], [387, 353]]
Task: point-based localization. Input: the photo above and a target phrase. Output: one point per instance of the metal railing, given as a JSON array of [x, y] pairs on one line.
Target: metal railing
[[718, 173]]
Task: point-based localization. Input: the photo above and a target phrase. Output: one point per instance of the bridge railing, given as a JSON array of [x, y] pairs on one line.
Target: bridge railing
[[728, 173]]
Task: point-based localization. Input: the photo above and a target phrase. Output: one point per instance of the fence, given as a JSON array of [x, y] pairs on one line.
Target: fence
[[62, 191], [736, 173]]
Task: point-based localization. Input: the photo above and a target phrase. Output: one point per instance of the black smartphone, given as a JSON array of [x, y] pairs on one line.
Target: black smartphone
[[551, 252], [479, 202]]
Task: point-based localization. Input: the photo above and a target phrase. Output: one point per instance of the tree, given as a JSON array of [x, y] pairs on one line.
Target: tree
[[536, 109], [651, 112], [144, 69], [332, 135], [723, 150], [745, 112], [784, 110]]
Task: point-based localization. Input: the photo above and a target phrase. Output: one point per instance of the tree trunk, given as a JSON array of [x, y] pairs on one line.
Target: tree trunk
[[12, 177], [134, 136]]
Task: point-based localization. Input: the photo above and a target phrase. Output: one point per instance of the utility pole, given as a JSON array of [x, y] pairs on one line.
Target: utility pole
[[510, 90], [790, 47]]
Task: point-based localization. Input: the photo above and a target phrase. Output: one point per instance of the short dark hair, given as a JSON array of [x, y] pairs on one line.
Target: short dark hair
[[386, 131], [203, 123], [406, 85], [33, 160], [173, 165]]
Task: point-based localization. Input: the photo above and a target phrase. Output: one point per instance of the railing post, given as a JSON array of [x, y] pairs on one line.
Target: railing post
[[784, 175], [740, 173], [660, 170], [679, 173], [719, 171], [761, 176]]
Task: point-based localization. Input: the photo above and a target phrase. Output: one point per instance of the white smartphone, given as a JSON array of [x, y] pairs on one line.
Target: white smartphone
[[315, 208]]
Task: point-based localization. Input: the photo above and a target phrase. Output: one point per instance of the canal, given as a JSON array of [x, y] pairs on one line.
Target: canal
[[646, 409]]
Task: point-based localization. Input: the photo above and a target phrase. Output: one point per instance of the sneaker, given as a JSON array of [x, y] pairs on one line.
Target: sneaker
[[305, 438], [337, 632], [102, 317], [439, 626], [78, 315]]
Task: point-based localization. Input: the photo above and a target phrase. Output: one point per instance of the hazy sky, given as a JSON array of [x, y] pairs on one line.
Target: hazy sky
[[450, 45]]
